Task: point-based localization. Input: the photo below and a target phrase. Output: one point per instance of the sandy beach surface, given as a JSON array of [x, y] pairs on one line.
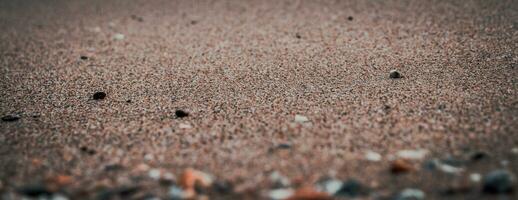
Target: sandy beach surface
[[142, 99]]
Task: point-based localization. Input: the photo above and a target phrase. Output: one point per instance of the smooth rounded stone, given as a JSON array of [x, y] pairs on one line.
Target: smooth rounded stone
[[498, 181], [373, 156], [10, 118], [301, 119], [83, 57], [352, 188], [278, 180], [330, 186], [394, 74], [180, 114], [412, 154], [475, 177], [35, 190], [411, 194], [118, 36], [99, 95], [283, 193]]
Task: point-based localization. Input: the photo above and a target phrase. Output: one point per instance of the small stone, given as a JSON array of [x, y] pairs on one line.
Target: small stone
[[412, 154], [350, 18], [475, 177], [514, 150], [477, 156], [449, 169], [307, 192], [400, 166], [394, 74], [278, 194], [498, 181], [84, 57], [330, 186], [411, 194], [10, 118], [352, 188], [118, 36], [155, 174], [99, 95], [36, 190], [180, 114], [372, 156], [298, 36], [278, 180], [191, 177], [177, 193], [301, 119]]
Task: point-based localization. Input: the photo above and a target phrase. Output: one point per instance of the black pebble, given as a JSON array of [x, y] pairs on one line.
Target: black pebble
[[128, 101], [99, 95], [298, 36], [87, 150], [84, 57], [394, 74], [479, 155], [181, 114], [352, 188], [499, 181], [193, 22], [36, 190], [350, 18], [10, 118]]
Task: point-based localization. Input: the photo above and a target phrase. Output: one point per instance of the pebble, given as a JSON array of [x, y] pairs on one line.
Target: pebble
[[278, 180], [282, 193], [372, 156], [394, 74], [514, 150], [351, 188], [475, 177], [498, 181], [350, 18], [307, 192], [330, 186], [177, 193], [477, 156], [401, 166], [301, 119], [36, 190], [411, 194], [155, 174], [83, 57], [180, 114], [10, 118], [118, 36], [412, 154], [99, 95]]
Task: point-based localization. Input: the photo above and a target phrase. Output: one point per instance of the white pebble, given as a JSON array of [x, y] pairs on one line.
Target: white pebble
[[514, 150], [475, 177], [154, 174], [411, 194], [372, 156], [412, 154], [301, 119], [118, 36], [280, 193]]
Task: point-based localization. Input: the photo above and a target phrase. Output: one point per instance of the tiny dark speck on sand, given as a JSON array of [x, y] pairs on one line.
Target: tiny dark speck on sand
[[84, 57], [180, 114], [10, 118], [350, 18], [298, 36], [99, 95]]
